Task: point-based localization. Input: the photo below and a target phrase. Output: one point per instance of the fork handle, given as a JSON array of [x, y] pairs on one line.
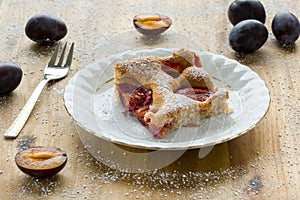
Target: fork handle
[[14, 130]]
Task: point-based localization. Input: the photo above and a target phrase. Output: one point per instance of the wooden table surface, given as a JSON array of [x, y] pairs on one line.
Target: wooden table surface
[[264, 163]]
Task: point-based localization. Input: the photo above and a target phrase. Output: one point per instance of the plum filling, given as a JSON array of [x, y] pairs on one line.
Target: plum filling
[[171, 71], [175, 67], [160, 132], [197, 61], [134, 97], [140, 115], [171, 64], [198, 94]]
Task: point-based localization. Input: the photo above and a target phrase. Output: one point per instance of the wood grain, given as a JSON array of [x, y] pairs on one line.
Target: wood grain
[[261, 164]]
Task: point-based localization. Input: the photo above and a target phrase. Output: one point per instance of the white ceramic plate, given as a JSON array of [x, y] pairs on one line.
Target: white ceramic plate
[[90, 100]]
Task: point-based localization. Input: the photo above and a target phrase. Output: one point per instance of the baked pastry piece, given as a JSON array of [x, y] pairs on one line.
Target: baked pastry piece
[[166, 93]]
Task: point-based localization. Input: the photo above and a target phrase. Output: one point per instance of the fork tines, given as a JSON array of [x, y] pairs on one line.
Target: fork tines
[[54, 56]]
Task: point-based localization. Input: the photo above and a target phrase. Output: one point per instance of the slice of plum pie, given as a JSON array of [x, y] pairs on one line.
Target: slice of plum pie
[[166, 93]]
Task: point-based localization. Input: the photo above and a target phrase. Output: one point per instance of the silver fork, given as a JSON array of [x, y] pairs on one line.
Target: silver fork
[[51, 72]]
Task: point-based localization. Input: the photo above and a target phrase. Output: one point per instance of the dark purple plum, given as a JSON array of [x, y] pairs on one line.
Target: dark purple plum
[[10, 77], [240, 10], [248, 36], [45, 29], [286, 28]]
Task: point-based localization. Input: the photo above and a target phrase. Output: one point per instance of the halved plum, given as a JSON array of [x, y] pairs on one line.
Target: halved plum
[[151, 24], [41, 161]]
